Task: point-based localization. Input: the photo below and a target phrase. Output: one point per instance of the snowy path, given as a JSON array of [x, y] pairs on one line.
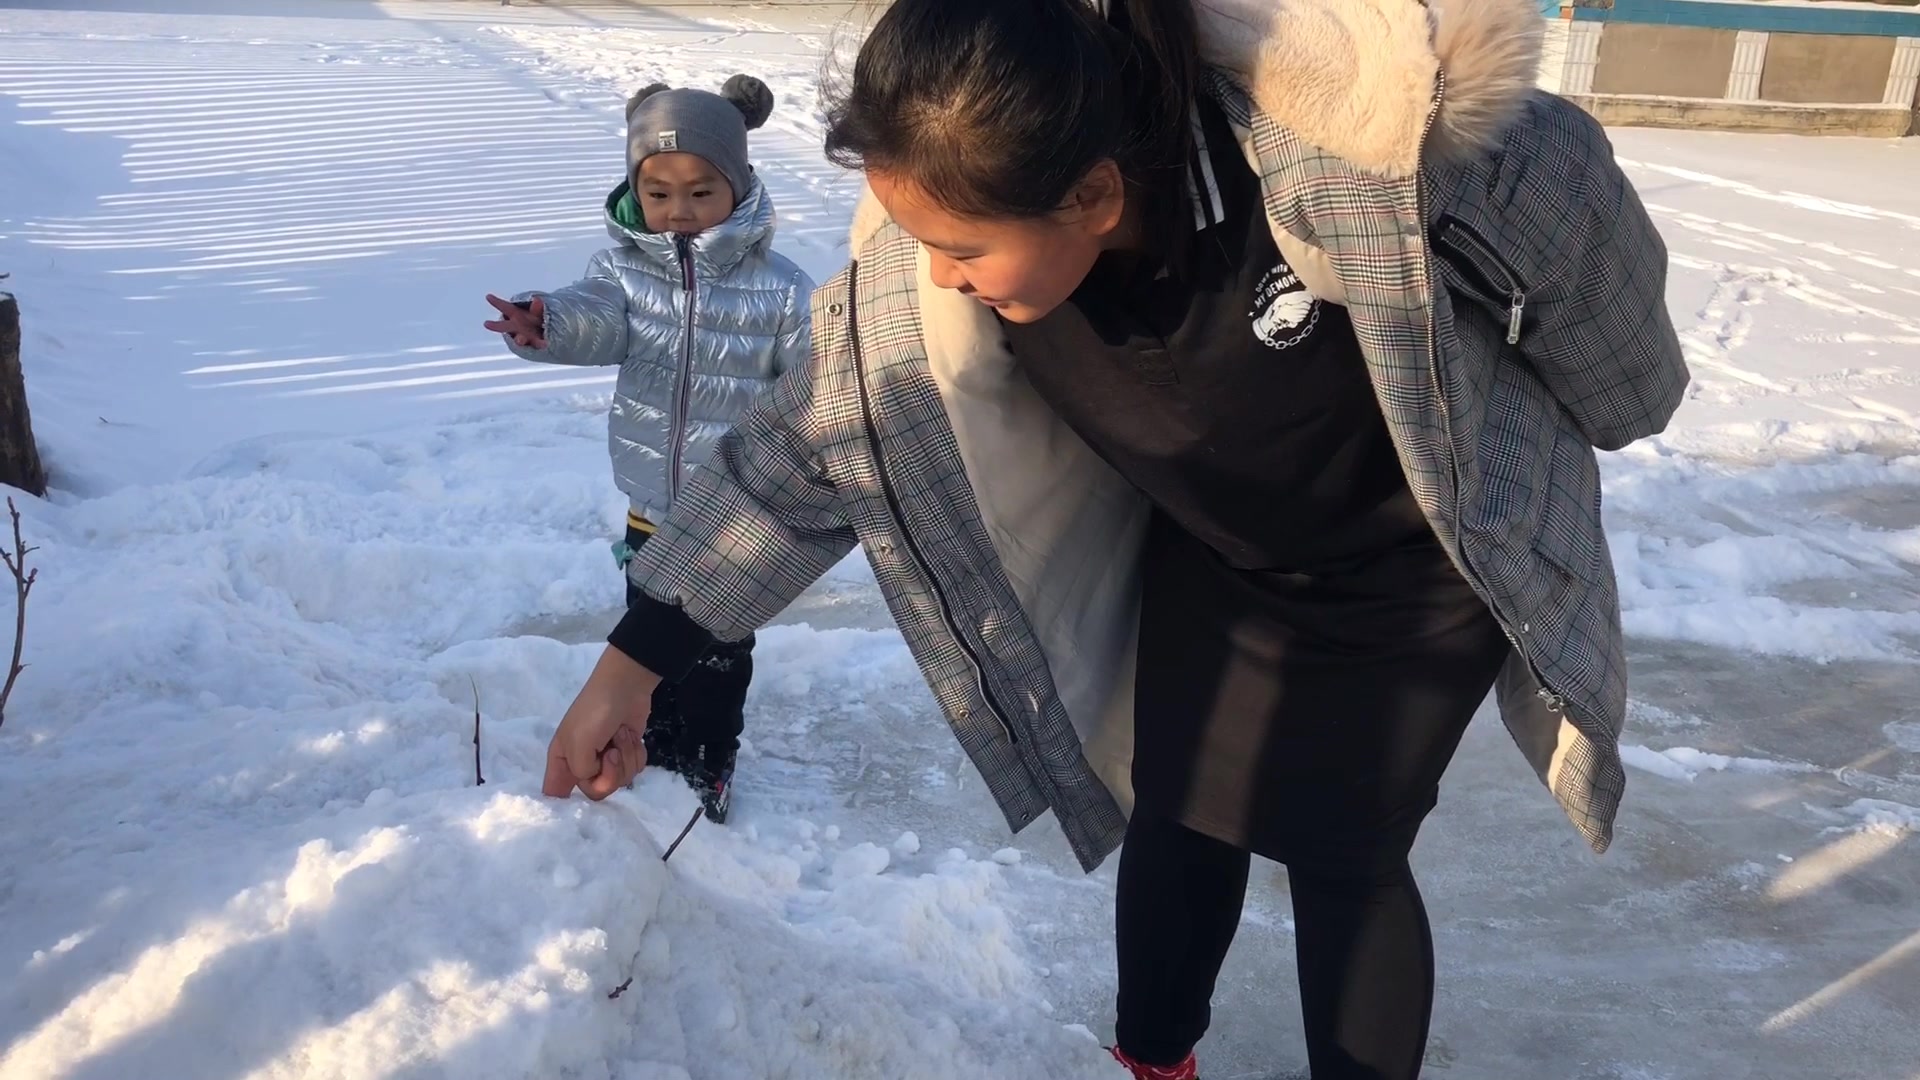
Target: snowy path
[[306, 506]]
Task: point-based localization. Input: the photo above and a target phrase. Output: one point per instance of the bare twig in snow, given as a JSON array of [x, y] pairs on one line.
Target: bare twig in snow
[[691, 822], [477, 778], [671, 848], [23, 580]]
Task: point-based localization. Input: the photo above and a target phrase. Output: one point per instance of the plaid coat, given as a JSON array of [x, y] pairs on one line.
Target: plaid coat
[[1507, 289]]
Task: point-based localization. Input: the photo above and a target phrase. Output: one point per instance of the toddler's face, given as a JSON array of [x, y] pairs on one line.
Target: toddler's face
[[682, 193]]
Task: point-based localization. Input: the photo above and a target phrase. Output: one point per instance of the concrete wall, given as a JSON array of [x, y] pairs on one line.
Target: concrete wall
[[1824, 68], [1844, 69], [1675, 61], [1860, 121]]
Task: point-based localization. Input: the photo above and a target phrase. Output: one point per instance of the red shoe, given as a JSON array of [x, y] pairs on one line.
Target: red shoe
[[1186, 1070]]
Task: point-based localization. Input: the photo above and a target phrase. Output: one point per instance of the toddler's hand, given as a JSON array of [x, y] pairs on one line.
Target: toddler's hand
[[526, 325]]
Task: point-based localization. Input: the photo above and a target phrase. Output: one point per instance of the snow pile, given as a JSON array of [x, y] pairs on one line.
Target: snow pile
[[291, 546], [439, 931], [287, 846], [1775, 549]]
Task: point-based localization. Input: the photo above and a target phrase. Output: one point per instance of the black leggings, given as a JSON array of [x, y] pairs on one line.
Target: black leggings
[[706, 708], [1365, 952]]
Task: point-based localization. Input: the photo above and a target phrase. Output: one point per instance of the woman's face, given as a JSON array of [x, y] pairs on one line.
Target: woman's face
[[1021, 268]]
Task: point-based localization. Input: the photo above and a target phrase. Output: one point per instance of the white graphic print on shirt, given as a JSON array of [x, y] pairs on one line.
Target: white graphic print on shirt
[[1284, 312]]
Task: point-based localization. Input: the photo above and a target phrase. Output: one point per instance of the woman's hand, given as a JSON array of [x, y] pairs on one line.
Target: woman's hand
[[597, 747], [527, 325]]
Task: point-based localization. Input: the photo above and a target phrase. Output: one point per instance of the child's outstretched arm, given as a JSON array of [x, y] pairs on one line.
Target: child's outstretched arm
[[584, 324]]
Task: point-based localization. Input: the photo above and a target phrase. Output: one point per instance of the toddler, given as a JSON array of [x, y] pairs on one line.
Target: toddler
[[701, 314]]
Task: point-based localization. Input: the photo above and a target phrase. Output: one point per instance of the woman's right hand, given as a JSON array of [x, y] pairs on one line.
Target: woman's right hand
[[597, 747]]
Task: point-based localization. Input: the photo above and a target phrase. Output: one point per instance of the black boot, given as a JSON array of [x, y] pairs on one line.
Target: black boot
[[666, 730], [710, 772]]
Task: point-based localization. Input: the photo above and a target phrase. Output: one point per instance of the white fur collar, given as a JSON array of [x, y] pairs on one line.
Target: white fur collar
[[1356, 77]]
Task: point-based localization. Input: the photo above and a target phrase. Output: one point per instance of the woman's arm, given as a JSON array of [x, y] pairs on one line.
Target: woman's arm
[[756, 525], [758, 522], [1578, 269]]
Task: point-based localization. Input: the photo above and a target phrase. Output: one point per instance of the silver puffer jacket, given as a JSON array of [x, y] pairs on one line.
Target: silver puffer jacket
[[699, 326]]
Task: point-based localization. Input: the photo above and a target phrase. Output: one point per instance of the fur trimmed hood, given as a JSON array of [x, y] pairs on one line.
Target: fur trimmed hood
[[1357, 77]]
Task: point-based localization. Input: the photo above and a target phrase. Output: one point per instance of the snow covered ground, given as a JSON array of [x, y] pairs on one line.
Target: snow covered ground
[[306, 508]]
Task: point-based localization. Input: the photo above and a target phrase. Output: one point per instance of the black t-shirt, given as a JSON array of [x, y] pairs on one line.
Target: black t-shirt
[[1234, 398], [1289, 578]]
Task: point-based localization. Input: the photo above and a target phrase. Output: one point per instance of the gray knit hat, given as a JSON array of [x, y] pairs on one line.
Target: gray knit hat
[[662, 120]]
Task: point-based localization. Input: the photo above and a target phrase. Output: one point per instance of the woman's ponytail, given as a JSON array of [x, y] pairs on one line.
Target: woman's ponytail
[[1161, 66]]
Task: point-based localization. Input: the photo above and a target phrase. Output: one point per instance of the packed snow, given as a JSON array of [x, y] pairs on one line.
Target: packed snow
[[1685, 763], [308, 516]]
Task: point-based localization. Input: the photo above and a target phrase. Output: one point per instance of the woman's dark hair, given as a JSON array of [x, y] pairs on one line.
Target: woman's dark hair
[[997, 108]]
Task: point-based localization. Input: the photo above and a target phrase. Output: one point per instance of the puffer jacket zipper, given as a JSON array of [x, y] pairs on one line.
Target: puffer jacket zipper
[[899, 515], [683, 378], [1459, 237], [1552, 698]]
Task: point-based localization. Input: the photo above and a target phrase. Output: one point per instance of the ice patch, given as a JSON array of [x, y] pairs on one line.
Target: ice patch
[[1884, 817], [1743, 957], [1904, 734], [1684, 763]]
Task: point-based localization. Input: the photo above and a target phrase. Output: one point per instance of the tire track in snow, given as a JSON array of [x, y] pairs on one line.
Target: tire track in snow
[[1814, 203], [1754, 239], [1724, 324]]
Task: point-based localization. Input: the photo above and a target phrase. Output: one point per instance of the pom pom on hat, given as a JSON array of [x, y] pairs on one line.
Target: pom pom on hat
[[751, 97], [642, 95]]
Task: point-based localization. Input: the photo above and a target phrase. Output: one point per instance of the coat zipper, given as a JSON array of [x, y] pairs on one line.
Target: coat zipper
[[1554, 701], [900, 517], [1458, 235], [677, 430]]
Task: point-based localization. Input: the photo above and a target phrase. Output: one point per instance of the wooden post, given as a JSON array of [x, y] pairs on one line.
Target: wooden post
[[19, 457]]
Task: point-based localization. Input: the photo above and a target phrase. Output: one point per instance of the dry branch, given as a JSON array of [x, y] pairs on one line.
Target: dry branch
[[477, 778], [23, 580], [698, 811], [691, 822]]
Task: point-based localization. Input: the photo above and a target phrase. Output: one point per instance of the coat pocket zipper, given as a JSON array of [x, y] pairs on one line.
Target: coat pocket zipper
[[1459, 238]]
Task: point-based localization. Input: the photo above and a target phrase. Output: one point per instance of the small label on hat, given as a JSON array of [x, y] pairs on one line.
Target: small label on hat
[[670, 140]]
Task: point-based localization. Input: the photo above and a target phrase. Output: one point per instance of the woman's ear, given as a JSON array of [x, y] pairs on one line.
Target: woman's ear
[[1099, 201]]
